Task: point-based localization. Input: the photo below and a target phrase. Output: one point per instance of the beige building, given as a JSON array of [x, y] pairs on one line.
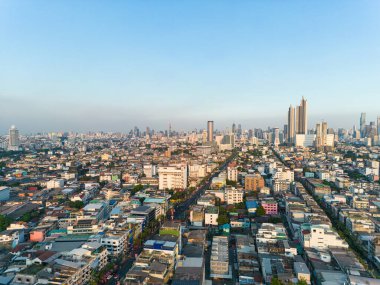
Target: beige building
[[172, 177], [233, 196]]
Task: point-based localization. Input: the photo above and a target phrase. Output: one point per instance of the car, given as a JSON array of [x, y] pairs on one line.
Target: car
[[109, 277]]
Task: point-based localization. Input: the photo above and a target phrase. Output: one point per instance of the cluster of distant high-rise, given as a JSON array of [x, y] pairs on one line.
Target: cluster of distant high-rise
[[297, 121], [367, 131], [296, 131]]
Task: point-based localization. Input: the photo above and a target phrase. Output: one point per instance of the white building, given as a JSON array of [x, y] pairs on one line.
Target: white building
[[270, 233], [211, 216], [55, 183], [324, 175], [284, 174], [116, 243], [320, 237], [197, 170], [150, 170], [304, 140], [232, 173], [14, 139], [172, 177]]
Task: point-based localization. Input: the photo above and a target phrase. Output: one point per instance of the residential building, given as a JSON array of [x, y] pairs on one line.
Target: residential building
[[172, 177], [219, 263], [254, 182], [211, 216]]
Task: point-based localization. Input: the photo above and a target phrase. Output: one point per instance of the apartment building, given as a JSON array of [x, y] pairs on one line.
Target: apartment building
[[320, 237], [150, 170], [219, 263], [55, 183], [233, 195], [211, 216], [172, 177], [254, 182], [270, 206], [115, 242], [232, 173]]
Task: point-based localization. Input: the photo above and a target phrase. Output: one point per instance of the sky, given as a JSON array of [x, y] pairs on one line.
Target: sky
[[87, 65]]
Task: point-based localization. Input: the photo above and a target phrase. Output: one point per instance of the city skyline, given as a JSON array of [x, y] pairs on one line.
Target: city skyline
[[220, 127], [111, 67]]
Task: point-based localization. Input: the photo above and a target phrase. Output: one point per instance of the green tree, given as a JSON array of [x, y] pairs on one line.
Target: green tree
[[76, 204], [275, 281], [260, 211], [302, 281], [223, 219], [4, 222], [136, 189], [26, 217]]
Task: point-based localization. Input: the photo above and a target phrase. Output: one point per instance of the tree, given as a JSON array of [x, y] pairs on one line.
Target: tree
[[4, 222], [302, 281], [76, 204], [274, 220], [136, 189], [260, 211], [223, 219], [26, 217], [275, 281]]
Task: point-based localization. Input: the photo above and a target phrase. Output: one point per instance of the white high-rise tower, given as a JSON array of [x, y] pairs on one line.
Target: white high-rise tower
[[14, 139]]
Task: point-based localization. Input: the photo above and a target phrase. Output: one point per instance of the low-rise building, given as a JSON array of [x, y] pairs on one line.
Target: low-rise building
[[219, 263]]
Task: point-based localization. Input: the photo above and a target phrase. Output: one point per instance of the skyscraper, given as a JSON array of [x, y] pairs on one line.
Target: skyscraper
[[239, 130], [362, 124], [321, 136], [210, 131], [324, 136], [276, 136], [14, 139], [301, 117], [290, 129], [378, 125]]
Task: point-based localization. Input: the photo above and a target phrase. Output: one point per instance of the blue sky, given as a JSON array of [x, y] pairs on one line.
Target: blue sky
[[109, 65]]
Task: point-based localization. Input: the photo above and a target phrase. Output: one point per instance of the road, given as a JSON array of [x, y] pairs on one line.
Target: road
[[124, 268], [180, 209]]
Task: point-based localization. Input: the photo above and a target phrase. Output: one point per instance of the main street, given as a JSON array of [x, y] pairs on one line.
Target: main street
[[181, 208]]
